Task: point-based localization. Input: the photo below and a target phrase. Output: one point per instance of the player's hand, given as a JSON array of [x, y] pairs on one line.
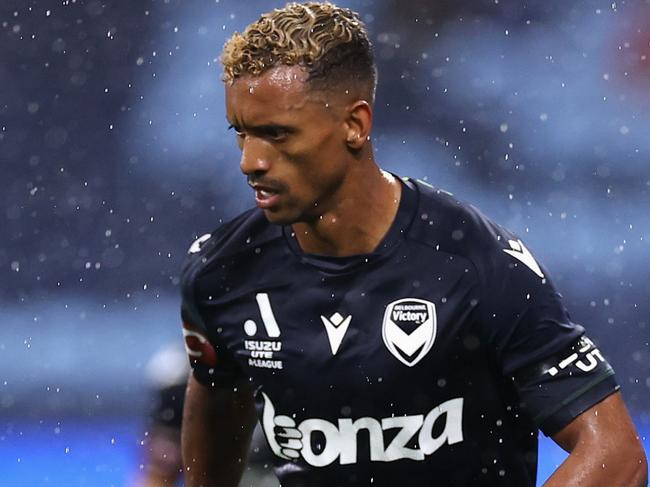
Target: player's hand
[[282, 433], [288, 436]]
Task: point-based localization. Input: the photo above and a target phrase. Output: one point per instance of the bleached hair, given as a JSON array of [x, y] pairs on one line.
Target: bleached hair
[[331, 43]]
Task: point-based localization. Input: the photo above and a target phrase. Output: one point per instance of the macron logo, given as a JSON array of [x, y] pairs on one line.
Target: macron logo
[[336, 326], [196, 245], [519, 251]]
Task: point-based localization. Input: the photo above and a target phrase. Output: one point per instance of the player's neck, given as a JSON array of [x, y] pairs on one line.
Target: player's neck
[[365, 210]]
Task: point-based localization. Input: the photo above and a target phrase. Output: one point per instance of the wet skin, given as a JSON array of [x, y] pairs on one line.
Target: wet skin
[[292, 143], [307, 155]]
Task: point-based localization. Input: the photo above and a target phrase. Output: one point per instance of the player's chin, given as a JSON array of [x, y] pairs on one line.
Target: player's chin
[[279, 217], [288, 211]]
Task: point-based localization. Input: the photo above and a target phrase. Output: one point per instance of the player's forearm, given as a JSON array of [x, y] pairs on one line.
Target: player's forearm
[[589, 465], [216, 432], [158, 479], [604, 449]]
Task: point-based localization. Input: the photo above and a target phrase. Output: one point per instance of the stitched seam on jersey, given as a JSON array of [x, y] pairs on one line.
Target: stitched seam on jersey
[[428, 244], [211, 262], [477, 281], [455, 255], [544, 415]]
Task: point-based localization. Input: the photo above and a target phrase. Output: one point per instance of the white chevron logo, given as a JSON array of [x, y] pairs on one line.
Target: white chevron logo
[[523, 255], [336, 326], [408, 343]]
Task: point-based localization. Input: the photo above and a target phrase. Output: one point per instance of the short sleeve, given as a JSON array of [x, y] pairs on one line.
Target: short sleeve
[[557, 371], [559, 388], [212, 364], [521, 312]]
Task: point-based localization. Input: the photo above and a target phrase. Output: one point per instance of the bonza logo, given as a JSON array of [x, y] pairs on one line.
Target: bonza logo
[[292, 441], [409, 329]]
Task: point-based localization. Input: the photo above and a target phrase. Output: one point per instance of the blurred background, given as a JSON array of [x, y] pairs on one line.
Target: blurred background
[[115, 156]]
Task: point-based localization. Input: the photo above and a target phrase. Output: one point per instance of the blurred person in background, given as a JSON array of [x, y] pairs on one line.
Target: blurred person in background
[[167, 372], [282, 305]]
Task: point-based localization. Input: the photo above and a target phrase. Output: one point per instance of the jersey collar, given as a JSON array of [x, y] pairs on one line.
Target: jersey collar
[[395, 235]]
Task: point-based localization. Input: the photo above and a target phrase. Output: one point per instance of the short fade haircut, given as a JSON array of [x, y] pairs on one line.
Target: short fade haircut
[[330, 43]]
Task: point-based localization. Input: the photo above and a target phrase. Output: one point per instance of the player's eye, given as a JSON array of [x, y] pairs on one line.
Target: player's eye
[[276, 134]]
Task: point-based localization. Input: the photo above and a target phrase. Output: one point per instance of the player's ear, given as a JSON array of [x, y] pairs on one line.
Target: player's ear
[[358, 124]]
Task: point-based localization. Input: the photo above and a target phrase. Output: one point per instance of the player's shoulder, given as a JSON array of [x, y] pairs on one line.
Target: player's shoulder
[[237, 236], [454, 225], [459, 228]]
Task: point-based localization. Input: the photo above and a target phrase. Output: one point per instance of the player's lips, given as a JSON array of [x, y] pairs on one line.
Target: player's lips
[[265, 196]]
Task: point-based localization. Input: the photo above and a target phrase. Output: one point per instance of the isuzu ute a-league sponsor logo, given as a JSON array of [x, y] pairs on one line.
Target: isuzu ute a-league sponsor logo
[[261, 353], [409, 329], [320, 442]]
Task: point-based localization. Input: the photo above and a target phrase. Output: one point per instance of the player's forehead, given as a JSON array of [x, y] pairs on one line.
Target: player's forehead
[[280, 92]]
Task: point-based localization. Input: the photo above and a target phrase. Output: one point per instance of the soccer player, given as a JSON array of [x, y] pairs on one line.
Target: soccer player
[[382, 332]]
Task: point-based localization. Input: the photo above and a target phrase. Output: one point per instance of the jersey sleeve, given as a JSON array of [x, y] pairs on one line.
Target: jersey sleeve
[[560, 387], [212, 363], [557, 371]]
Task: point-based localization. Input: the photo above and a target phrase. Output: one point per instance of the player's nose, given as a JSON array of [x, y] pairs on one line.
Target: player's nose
[[253, 158]]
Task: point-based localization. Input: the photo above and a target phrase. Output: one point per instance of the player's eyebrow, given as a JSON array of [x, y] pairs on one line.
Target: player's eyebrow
[[262, 128]]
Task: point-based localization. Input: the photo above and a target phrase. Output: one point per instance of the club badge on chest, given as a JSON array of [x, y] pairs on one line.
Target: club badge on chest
[[409, 329]]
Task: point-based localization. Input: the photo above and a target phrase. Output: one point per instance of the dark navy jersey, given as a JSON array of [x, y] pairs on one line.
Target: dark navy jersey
[[433, 360]]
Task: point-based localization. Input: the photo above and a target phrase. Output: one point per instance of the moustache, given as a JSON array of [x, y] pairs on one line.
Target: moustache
[[266, 183]]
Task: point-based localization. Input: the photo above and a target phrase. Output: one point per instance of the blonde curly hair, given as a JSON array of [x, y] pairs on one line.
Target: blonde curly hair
[[331, 43]]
